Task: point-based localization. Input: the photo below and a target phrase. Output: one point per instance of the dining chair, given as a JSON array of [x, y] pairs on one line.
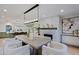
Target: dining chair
[[12, 43], [22, 50], [54, 48], [1, 50]]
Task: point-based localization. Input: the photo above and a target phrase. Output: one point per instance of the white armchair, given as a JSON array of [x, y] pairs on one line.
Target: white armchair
[[54, 48], [22, 50]]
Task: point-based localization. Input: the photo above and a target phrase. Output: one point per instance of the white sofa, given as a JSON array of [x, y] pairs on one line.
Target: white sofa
[[54, 48]]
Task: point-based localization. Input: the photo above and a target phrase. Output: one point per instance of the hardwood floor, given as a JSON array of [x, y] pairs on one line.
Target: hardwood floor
[[1, 42], [73, 50]]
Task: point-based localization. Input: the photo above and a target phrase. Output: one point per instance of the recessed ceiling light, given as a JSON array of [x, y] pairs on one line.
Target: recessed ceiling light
[[5, 10], [61, 10]]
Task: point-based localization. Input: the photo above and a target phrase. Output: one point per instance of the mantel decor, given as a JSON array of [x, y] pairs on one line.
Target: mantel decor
[[45, 29]]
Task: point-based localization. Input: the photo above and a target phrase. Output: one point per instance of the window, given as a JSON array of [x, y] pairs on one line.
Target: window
[[8, 28]]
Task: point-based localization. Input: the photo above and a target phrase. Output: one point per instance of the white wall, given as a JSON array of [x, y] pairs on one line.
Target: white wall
[[3, 22], [14, 23]]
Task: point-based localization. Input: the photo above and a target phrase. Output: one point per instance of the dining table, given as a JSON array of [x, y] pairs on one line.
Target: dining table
[[36, 43]]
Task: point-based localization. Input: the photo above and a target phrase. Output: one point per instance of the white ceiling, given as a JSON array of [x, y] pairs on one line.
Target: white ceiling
[[14, 10], [54, 10], [45, 10]]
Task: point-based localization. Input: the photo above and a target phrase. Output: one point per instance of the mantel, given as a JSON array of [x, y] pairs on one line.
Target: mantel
[[45, 29], [48, 28]]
